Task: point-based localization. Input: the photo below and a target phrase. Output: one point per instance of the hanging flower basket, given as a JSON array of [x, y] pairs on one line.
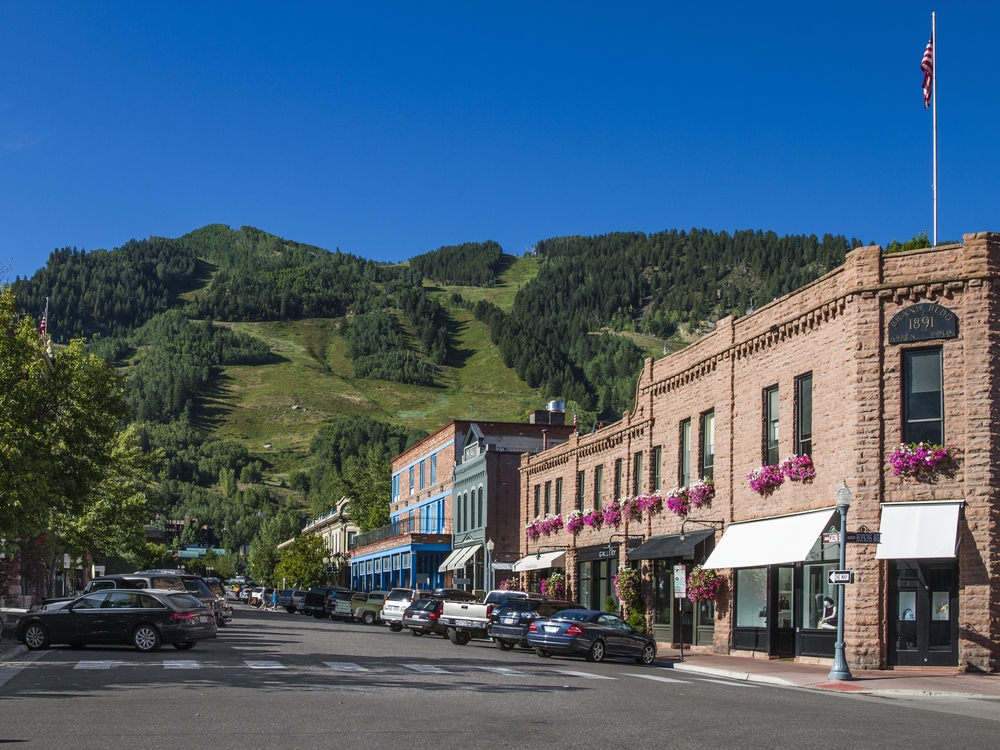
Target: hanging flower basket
[[678, 501], [574, 522], [703, 585], [919, 459], [627, 585], [631, 509], [649, 503], [593, 518], [613, 514], [798, 468], [533, 530], [766, 479], [700, 493], [510, 584], [554, 585]]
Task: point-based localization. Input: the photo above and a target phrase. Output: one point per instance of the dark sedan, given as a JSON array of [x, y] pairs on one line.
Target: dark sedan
[[145, 619], [590, 633], [509, 622]]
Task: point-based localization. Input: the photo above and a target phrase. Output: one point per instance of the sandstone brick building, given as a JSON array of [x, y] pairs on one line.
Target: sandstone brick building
[[886, 349]]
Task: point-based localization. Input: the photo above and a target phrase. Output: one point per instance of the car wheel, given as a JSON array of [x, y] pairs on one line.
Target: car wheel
[[542, 652], [415, 633], [457, 637], [36, 636], [596, 652], [368, 618], [185, 646], [146, 638], [395, 627], [504, 645], [290, 610], [648, 655]]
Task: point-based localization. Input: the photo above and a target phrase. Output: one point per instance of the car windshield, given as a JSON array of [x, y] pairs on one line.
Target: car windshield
[[520, 605], [424, 604], [574, 615], [186, 601], [399, 595]]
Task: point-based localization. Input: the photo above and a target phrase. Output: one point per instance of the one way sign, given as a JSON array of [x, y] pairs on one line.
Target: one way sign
[[840, 576]]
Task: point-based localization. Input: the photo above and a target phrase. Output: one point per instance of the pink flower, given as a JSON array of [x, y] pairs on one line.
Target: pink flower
[[701, 493], [918, 458], [650, 504], [593, 518], [678, 501], [613, 514], [574, 522], [765, 479], [798, 468]]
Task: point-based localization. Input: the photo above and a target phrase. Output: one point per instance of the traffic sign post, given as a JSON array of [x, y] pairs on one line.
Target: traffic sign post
[[840, 577], [680, 591]]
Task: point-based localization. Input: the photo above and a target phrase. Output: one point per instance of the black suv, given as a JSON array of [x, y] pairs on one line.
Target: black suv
[[509, 621], [314, 602], [338, 595]]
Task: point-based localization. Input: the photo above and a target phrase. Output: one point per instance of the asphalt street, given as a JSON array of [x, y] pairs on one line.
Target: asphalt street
[[279, 680]]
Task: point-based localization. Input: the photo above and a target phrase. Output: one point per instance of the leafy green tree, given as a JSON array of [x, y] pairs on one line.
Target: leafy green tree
[[301, 565], [367, 483], [264, 555]]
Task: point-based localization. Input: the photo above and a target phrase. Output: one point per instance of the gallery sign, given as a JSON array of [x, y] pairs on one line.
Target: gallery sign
[[923, 322]]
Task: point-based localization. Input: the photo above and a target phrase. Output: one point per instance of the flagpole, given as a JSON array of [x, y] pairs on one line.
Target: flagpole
[[934, 104]]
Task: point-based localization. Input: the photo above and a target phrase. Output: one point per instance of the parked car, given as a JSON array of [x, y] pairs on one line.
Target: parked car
[[509, 621], [369, 609], [145, 618], [422, 615], [464, 620], [590, 633], [314, 602], [396, 603], [335, 600], [285, 599]]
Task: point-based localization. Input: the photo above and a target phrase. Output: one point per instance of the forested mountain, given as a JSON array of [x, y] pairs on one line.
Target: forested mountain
[[638, 282], [469, 264]]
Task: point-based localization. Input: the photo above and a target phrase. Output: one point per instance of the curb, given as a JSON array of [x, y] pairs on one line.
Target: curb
[[918, 694], [14, 653], [732, 675]]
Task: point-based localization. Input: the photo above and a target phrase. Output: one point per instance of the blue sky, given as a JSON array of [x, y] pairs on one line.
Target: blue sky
[[391, 129]]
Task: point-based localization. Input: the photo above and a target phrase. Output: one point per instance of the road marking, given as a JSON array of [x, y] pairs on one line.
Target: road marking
[[345, 666], [587, 675], [726, 682], [505, 671], [261, 647], [426, 669], [97, 664], [12, 669], [658, 679], [181, 664], [264, 664]]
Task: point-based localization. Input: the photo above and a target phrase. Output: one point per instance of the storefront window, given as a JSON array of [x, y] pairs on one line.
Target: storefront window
[[584, 577], [751, 597], [819, 597]]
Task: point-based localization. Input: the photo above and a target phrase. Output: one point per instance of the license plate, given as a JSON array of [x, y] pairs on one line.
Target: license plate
[[206, 618], [509, 620], [551, 628], [464, 623]]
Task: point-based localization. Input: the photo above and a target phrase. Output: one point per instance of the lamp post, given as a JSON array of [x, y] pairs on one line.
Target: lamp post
[[327, 567], [840, 670], [489, 564]]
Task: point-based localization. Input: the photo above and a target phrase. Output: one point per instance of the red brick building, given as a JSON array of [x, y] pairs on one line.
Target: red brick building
[[886, 349]]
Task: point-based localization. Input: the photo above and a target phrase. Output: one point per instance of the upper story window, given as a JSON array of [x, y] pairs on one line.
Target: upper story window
[[685, 473], [923, 397], [538, 500], [434, 468], [708, 445], [422, 484], [804, 415], [581, 489], [459, 511], [479, 508], [558, 496], [637, 474], [411, 480], [548, 498], [771, 426], [395, 486], [618, 479], [598, 485], [657, 468], [470, 511]]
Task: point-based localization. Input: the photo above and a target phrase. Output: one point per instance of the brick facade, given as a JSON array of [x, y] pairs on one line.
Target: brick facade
[[836, 329]]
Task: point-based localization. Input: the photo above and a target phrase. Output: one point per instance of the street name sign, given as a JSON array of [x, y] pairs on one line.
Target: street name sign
[[840, 577]]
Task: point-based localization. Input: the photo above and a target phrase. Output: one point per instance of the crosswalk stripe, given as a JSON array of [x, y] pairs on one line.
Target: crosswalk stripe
[[726, 682], [426, 669], [181, 664], [97, 664], [587, 675], [658, 679], [345, 666], [264, 664], [505, 671]]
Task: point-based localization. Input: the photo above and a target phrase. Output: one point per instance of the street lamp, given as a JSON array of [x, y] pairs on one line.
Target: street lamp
[[840, 670], [327, 567], [489, 564]]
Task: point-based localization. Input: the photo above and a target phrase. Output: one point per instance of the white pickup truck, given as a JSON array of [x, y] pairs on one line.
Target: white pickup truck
[[464, 620]]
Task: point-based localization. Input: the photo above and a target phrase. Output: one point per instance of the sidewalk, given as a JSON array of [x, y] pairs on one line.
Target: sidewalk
[[9, 648], [929, 681]]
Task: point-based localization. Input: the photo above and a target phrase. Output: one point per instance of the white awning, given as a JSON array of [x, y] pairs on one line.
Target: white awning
[[541, 561], [916, 531], [503, 566], [769, 541], [458, 558]]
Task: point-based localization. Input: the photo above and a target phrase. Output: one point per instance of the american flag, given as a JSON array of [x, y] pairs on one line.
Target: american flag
[[927, 65], [45, 318]]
